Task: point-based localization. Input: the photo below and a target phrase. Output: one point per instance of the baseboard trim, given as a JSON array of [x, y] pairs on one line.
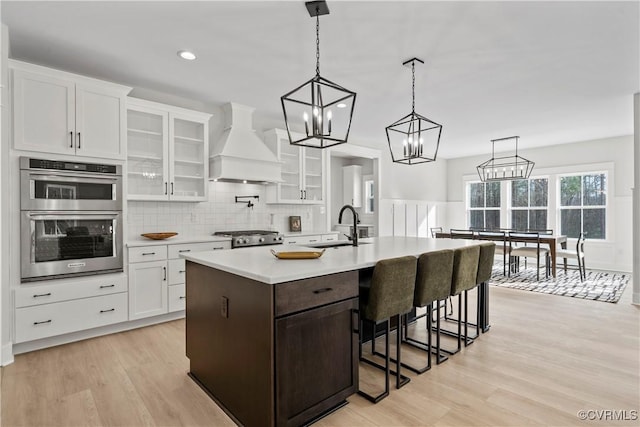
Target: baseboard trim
[[28, 346]]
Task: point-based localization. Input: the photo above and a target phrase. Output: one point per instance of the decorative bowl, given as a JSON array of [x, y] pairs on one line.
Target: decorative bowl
[[159, 236], [298, 254]]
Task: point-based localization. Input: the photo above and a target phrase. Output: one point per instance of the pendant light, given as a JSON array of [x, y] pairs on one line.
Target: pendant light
[[505, 167], [414, 138], [320, 107]]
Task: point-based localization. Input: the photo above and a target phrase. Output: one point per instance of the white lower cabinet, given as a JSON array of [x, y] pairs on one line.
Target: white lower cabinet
[[147, 289], [69, 305], [157, 277], [177, 297]]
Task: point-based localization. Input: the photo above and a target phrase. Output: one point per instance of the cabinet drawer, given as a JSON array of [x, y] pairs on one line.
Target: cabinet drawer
[[316, 291], [68, 289], [148, 253], [69, 316], [302, 240], [177, 271], [329, 237], [176, 250], [177, 297]]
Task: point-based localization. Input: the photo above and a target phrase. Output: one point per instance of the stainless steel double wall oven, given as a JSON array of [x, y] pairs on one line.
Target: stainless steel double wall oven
[[71, 218]]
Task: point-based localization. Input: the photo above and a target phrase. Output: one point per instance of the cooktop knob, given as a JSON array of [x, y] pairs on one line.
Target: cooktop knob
[[261, 239], [239, 241]]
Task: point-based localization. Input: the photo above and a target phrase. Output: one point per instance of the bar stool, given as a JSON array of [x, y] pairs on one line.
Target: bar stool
[[485, 268], [433, 284], [465, 271], [391, 294]]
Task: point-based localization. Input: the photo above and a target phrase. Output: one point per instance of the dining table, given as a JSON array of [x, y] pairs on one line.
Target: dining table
[[553, 240]]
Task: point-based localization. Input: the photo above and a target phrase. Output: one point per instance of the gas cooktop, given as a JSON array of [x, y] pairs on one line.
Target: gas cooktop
[[245, 238]]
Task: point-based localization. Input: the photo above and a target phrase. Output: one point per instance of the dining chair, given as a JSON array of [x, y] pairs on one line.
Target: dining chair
[[502, 248], [435, 230], [457, 233], [577, 255], [526, 251]]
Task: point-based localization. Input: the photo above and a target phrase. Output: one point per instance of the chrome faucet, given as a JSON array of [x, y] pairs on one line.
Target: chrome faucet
[[354, 233]]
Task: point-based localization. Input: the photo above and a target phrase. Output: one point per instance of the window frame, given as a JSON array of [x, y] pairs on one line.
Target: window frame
[[484, 209], [582, 206], [528, 208]]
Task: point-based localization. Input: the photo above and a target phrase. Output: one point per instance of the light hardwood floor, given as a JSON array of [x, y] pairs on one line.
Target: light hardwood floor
[[545, 358]]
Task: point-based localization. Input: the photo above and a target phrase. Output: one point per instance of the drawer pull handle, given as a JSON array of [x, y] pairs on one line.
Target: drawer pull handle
[[40, 323], [48, 294], [148, 253], [182, 297], [182, 271], [164, 270], [323, 290], [312, 240], [218, 248], [184, 250], [106, 311], [106, 286]]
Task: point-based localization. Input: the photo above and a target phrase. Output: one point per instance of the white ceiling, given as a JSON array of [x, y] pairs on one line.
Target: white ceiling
[[551, 72]]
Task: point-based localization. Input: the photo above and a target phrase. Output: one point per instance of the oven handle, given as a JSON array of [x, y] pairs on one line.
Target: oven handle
[[48, 215], [76, 177]]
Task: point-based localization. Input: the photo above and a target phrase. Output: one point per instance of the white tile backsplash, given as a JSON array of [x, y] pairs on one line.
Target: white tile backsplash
[[220, 213]]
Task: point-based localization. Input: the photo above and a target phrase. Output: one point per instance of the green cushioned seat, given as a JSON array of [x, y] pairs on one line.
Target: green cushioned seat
[[433, 280], [465, 268], [392, 286], [485, 262]]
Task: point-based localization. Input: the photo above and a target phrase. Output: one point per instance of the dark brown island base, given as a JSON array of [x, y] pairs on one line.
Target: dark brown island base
[[275, 342]]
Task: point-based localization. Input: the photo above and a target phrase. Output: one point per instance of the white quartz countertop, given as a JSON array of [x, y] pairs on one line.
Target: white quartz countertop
[[258, 263], [175, 240]]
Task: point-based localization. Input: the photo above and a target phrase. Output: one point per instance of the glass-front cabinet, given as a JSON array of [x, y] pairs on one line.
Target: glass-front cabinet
[[167, 151], [302, 171]]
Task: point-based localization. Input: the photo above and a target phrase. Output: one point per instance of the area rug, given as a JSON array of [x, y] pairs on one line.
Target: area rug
[[603, 286]]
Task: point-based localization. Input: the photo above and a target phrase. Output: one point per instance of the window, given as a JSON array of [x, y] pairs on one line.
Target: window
[[369, 196], [583, 205], [484, 205], [529, 203]]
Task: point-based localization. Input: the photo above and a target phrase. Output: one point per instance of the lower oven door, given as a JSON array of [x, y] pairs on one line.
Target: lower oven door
[[62, 244]]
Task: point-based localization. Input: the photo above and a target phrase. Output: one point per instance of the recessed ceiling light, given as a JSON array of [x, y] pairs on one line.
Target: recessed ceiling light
[[341, 105], [188, 55]]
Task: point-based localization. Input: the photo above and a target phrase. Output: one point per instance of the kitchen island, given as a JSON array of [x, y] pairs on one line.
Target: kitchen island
[[275, 342]]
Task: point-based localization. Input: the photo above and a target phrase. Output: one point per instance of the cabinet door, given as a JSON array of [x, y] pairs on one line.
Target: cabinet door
[[352, 185], [188, 158], [147, 153], [290, 191], [316, 360], [43, 113], [99, 117], [313, 166], [147, 289]]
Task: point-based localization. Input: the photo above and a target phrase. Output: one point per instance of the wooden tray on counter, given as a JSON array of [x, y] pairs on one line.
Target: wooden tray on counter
[[298, 254], [159, 236]]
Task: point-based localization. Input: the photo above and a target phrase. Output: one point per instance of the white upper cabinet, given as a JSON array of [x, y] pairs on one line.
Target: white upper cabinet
[[167, 152], [352, 185], [62, 113], [302, 171]]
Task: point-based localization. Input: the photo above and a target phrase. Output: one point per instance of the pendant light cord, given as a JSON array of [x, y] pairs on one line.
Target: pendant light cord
[[413, 87], [317, 41]]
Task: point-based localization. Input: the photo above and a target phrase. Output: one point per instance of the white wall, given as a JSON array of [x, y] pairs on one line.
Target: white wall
[[616, 153], [6, 355]]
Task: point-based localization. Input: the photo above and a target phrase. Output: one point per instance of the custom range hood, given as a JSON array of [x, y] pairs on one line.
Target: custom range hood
[[239, 155]]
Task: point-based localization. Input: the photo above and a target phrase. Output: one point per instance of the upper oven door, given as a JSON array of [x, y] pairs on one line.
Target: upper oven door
[[66, 191]]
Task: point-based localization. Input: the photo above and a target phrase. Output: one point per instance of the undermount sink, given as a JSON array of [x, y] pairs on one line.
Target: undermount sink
[[335, 244]]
